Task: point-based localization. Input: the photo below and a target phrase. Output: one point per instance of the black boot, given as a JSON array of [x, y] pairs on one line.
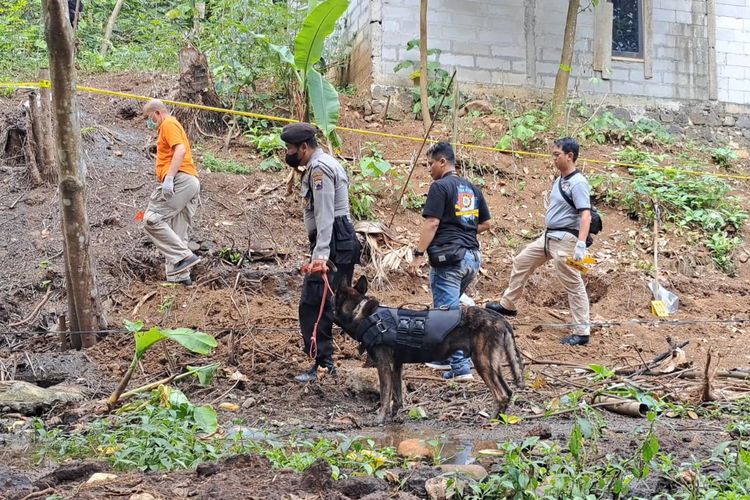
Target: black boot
[[498, 308], [309, 375], [575, 340], [329, 366]]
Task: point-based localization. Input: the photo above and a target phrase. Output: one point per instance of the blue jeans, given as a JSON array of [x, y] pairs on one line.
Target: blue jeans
[[447, 285]]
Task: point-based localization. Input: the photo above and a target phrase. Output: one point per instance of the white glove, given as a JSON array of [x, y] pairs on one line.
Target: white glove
[[580, 250], [167, 187]]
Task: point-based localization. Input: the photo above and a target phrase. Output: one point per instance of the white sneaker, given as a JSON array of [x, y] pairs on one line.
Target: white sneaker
[[438, 365], [451, 376]]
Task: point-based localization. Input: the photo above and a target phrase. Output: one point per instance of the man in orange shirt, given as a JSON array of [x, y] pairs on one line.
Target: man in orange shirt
[[173, 203]]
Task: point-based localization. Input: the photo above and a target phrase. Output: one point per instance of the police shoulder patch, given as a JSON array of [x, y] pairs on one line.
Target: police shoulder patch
[[317, 178]]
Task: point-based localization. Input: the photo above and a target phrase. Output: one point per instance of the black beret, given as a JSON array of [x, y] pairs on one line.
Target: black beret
[[297, 133]]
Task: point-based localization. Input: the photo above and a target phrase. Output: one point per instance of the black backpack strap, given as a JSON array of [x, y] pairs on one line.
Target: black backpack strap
[[565, 196]]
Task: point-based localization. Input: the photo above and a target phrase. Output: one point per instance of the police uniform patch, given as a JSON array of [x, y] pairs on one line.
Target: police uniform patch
[[317, 178]]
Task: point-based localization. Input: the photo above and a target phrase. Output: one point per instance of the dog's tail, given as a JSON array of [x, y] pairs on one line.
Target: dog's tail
[[514, 356]]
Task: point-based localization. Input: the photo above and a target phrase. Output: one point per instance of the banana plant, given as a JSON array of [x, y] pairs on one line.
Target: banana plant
[[321, 96], [193, 340]]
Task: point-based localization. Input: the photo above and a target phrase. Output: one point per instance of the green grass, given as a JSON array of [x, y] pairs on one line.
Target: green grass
[[215, 164]]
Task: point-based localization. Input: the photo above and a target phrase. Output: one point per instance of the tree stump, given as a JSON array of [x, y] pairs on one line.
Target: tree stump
[[196, 86]]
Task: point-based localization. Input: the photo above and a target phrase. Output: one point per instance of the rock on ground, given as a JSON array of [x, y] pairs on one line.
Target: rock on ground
[[31, 399]]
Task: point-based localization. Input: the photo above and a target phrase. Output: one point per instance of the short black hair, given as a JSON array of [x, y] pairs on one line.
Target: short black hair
[[312, 142], [442, 149], [568, 145]]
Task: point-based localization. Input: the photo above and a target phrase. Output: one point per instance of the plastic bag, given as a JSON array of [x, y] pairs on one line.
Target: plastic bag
[[671, 301]]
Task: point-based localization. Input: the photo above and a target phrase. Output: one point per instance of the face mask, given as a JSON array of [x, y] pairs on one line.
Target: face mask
[[151, 124], [292, 160]]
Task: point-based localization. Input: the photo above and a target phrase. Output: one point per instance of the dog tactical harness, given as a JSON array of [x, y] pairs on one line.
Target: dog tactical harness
[[405, 328]]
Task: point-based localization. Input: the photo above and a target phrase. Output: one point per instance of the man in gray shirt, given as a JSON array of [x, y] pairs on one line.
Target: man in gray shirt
[[565, 235], [325, 190]]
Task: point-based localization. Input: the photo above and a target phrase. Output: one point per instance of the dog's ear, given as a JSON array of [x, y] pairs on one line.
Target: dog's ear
[[361, 285]]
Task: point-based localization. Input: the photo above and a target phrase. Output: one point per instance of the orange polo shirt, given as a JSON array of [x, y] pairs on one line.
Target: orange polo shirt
[[171, 134]]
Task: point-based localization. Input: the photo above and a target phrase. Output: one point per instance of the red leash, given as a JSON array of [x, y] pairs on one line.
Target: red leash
[[314, 339]]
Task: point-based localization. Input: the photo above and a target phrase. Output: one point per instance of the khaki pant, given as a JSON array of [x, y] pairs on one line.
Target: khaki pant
[[534, 256], [168, 221]]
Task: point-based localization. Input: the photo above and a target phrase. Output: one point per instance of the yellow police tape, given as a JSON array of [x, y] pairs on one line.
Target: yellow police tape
[[94, 90]]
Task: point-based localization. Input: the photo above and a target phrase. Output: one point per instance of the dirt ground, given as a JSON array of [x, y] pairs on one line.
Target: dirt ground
[[252, 310]]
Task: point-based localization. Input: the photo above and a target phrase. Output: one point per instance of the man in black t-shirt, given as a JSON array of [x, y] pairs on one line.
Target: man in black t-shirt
[[455, 211]]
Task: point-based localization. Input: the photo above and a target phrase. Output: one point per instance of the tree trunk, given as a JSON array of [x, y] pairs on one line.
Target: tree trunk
[[49, 169], [563, 72], [198, 16], [110, 27], [84, 307], [196, 86], [40, 133], [424, 97], [30, 146]]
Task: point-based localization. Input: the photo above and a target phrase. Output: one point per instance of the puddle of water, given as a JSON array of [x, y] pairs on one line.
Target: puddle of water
[[458, 449]]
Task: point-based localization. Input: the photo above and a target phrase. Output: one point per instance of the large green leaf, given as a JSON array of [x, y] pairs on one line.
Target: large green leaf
[[324, 101], [144, 340], [284, 53], [195, 341], [205, 418], [318, 24]]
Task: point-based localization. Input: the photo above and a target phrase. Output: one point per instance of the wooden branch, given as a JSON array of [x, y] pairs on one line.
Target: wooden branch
[[33, 314]]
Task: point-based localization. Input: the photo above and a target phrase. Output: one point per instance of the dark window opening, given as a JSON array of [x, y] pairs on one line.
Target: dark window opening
[[627, 28]]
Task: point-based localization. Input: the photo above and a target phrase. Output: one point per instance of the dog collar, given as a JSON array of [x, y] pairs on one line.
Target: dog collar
[[359, 308]]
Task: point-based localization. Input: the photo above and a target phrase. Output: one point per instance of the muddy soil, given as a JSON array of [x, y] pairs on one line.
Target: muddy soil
[[252, 309]]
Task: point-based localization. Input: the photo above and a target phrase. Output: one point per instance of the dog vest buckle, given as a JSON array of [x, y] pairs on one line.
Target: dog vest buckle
[[380, 326]]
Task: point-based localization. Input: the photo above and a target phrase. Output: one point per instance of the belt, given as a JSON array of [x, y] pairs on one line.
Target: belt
[[568, 230]]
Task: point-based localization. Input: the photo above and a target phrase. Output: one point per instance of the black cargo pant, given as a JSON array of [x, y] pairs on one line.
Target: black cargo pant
[[345, 253]]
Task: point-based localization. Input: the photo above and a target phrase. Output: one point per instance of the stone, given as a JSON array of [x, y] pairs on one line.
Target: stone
[[743, 122], [713, 120], [744, 258], [697, 118], [193, 246], [364, 380], [414, 448], [379, 92], [511, 105], [142, 496], [743, 154], [378, 107], [404, 101], [100, 477], [746, 133], [675, 130], [31, 399], [474, 471], [666, 117], [248, 403], [479, 106], [417, 478], [729, 121], [623, 115]]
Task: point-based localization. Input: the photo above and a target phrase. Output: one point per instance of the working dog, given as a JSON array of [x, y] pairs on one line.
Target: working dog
[[483, 334]]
